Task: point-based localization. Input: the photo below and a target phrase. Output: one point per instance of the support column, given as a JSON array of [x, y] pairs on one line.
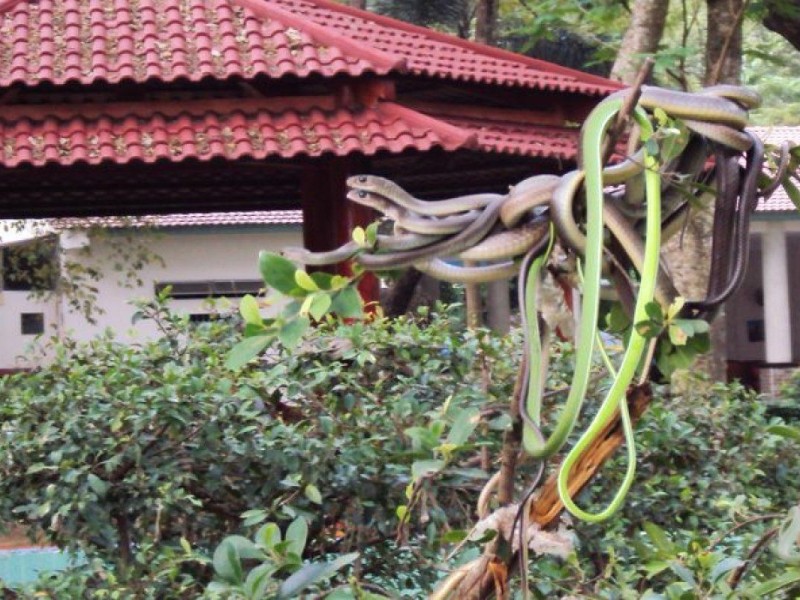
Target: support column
[[499, 306], [329, 218], [777, 311]]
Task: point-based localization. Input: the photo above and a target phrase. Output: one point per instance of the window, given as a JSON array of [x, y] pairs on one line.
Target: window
[[32, 323], [31, 266], [201, 317], [210, 289]]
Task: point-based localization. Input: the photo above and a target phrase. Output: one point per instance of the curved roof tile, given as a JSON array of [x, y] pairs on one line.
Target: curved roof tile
[[223, 128], [59, 41], [113, 40]]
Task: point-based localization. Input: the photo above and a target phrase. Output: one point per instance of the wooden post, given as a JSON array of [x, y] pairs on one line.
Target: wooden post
[[329, 218]]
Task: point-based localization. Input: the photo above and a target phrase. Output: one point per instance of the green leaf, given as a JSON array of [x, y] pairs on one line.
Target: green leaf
[[258, 580], [246, 350], [323, 280], [677, 334], [187, 547], [97, 485], [792, 191], [278, 273], [253, 517], [661, 117], [339, 282], [245, 548], [348, 304], [454, 536], [372, 234], [654, 567], [648, 329], [304, 281], [227, 564], [683, 572], [724, 566], [248, 308], [360, 236], [616, 319], [311, 574], [653, 310], [793, 433], [319, 305], [675, 308], [292, 332], [296, 535], [762, 590], [421, 468], [401, 512], [312, 493], [464, 424], [660, 539], [268, 536]]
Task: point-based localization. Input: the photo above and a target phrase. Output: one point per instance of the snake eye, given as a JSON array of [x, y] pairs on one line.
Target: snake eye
[[362, 179], [362, 194]]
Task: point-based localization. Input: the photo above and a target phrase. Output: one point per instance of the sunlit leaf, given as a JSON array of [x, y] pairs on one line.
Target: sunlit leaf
[[304, 281], [248, 308], [278, 272], [319, 305]]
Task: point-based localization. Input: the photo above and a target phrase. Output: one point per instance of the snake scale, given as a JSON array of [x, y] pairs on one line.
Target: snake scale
[[503, 235]]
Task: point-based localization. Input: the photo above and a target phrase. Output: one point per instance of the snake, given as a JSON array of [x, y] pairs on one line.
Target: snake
[[410, 221], [431, 208], [594, 131], [349, 249], [467, 237], [569, 232], [499, 228], [740, 238], [615, 397]]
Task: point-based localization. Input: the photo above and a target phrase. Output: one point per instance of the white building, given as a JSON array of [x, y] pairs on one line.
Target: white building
[[200, 256], [763, 317]]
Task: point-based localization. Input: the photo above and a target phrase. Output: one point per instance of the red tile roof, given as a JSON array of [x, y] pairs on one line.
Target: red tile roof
[[779, 201], [521, 138], [219, 128], [112, 40]]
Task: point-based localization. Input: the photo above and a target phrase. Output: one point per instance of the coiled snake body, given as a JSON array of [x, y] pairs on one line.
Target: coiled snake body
[[498, 230]]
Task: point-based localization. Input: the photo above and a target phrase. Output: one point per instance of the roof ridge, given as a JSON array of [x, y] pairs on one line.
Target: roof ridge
[[465, 139], [265, 8], [467, 44]]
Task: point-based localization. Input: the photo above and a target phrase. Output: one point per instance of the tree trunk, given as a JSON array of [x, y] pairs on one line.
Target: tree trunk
[[648, 18], [724, 41], [486, 21], [783, 17]]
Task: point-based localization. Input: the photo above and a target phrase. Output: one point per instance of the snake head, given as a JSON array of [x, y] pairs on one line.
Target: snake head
[[360, 182], [366, 198]]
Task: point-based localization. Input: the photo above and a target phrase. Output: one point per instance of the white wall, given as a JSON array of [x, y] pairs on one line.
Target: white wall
[[189, 254], [16, 350]]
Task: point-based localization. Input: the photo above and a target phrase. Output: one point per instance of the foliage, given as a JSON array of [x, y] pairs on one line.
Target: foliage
[[447, 15], [276, 556], [132, 454], [713, 477]]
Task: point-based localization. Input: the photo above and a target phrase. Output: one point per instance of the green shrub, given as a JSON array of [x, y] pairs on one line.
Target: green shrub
[[145, 457]]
